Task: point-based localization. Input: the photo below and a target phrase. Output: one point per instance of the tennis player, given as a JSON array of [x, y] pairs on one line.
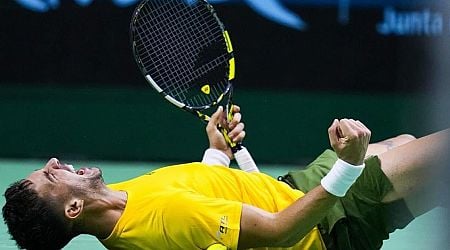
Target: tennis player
[[345, 199]]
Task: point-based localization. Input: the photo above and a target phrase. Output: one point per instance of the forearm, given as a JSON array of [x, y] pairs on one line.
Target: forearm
[[304, 214], [301, 217], [287, 227]]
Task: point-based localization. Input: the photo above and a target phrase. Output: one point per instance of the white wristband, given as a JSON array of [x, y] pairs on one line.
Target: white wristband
[[245, 160], [341, 177], [215, 157]]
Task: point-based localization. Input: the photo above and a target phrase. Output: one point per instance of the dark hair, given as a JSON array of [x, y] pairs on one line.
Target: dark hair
[[32, 221]]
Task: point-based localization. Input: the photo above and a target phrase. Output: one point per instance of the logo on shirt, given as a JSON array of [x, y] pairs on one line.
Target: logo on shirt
[[223, 228]]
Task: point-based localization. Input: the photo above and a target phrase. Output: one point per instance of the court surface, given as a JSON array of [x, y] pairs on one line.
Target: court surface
[[423, 233]]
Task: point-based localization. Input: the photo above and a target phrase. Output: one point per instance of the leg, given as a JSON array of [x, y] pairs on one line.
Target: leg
[[416, 170], [388, 144]]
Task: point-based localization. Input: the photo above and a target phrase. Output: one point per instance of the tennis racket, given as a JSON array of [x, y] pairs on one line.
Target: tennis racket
[[185, 53]]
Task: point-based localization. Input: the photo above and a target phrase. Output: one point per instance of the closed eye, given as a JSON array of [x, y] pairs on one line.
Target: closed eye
[[49, 176]]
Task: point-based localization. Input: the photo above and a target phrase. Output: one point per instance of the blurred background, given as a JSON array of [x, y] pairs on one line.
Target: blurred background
[[70, 88], [69, 85]]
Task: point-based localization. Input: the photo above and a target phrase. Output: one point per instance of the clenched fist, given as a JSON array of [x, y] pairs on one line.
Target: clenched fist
[[349, 138]]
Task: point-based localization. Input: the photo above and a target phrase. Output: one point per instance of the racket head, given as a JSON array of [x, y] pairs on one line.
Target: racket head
[[184, 52]]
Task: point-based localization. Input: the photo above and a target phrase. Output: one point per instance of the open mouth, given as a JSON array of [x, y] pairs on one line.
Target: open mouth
[[67, 167], [81, 171]]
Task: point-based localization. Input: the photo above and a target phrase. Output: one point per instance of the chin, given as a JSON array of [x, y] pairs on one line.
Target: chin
[[95, 177], [98, 175]]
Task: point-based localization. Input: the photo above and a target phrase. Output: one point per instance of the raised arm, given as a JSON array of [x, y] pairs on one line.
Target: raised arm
[[260, 228]]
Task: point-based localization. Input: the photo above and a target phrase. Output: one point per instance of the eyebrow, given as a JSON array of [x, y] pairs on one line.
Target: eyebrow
[[47, 175], [25, 183]]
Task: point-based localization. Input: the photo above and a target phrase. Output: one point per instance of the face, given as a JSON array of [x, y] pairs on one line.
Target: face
[[61, 181]]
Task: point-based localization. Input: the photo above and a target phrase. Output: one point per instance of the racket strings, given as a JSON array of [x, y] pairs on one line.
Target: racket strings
[[180, 48], [177, 76], [169, 41]]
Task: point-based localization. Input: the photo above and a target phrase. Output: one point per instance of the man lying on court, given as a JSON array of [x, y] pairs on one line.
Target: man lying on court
[[345, 197]]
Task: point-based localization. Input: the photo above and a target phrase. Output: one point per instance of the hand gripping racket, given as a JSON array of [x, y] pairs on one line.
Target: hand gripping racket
[[185, 53]]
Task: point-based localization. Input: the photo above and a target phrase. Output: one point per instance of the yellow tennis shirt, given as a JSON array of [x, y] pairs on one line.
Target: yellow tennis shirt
[[193, 206]]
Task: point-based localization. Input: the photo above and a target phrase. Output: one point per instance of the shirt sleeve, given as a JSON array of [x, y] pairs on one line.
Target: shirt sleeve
[[195, 221]]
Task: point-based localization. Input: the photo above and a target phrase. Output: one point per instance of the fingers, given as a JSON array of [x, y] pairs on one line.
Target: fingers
[[349, 138], [352, 128], [333, 133], [215, 119], [360, 124], [234, 121], [237, 134], [234, 127], [348, 128], [236, 108]]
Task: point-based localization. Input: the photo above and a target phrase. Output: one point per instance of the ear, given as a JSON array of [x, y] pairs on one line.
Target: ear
[[74, 208]]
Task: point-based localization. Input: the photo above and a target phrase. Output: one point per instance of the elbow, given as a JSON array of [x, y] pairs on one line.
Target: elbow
[[282, 236], [287, 242], [260, 228], [283, 241]]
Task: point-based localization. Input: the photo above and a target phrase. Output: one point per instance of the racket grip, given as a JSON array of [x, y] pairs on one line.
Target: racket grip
[[236, 148], [245, 161]]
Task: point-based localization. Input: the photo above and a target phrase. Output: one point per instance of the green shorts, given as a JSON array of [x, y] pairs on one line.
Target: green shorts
[[359, 220]]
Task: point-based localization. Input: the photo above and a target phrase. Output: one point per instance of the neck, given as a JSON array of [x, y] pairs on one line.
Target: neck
[[101, 213]]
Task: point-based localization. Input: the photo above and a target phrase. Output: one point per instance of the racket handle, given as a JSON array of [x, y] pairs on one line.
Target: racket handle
[[241, 154], [235, 146], [245, 161]]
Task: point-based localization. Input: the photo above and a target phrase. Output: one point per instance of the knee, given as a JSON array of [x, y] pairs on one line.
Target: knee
[[405, 138]]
